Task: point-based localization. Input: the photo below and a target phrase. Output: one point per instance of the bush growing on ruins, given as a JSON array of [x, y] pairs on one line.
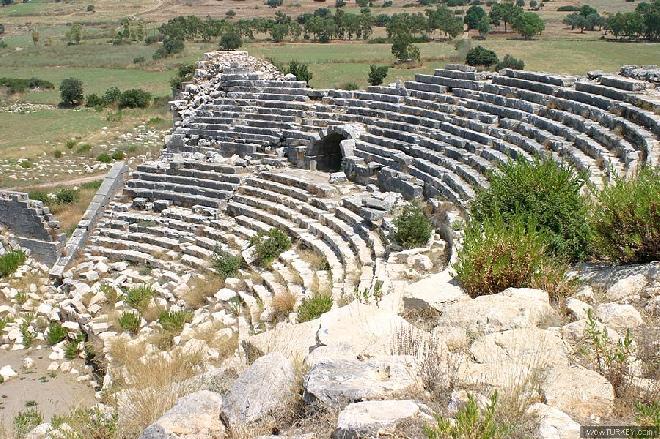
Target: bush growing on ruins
[[626, 219], [129, 321], [139, 297], [71, 92], [184, 73], [480, 56], [66, 196], [509, 62], [231, 40], [134, 98], [118, 155], [471, 422], [500, 253], [268, 246], [544, 192], [174, 321], [104, 157], [72, 347], [56, 333], [26, 421], [300, 71], [226, 264], [312, 307], [413, 228], [10, 261], [377, 74]]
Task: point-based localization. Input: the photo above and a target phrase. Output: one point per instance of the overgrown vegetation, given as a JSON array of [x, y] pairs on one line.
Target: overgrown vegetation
[[56, 333], [542, 192], [25, 421], [626, 219], [312, 307], [10, 261], [130, 321], [139, 297], [226, 264], [498, 254], [471, 422], [18, 85], [269, 245], [413, 228], [174, 321]]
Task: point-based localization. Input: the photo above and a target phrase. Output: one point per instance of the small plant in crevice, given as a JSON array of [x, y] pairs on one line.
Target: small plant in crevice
[[129, 321], [173, 321], [269, 245], [25, 421], [610, 358], [139, 297], [471, 422], [10, 261], [56, 333], [412, 227], [226, 264], [313, 307]]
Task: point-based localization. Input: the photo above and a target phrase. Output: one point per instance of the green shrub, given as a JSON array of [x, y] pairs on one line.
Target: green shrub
[[230, 40], [312, 308], [413, 228], [104, 157], [71, 92], [350, 86], [268, 246], [377, 74], [300, 71], [139, 297], [19, 85], [226, 264], [57, 154], [111, 96], [471, 422], [543, 192], [499, 254], [138, 60], [118, 155], [72, 348], [26, 333], [509, 62], [184, 73], [134, 98], [648, 414], [84, 148], [10, 261], [174, 320], [66, 196], [95, 101], [130, 321], [70, 143], [38, 196], [626, 219], [479, 56], [56, 333], [25, 421], [25, 164]]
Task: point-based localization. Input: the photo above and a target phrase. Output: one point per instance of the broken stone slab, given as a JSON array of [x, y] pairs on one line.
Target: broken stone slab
[[262, 389], [375, 418], [580, 392], [619, 316], [338, 382], [433, 291], [512, 308], [553, 423], [194, 416]]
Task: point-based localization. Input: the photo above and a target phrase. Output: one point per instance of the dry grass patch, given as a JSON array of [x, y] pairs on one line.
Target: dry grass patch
[[284, 303], [201, 288]]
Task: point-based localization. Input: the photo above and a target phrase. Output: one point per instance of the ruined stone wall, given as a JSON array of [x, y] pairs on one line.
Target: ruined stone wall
[[32, 225], [113, 182]]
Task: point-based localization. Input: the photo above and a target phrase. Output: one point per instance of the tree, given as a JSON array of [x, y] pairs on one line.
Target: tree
[[278, 32], [403, 49], [230, 40], [74, 34], [520, 3], [505, 12], [71, 92], [480, 56], [377, 74], [483, 27], [473, 16], [528, 24]]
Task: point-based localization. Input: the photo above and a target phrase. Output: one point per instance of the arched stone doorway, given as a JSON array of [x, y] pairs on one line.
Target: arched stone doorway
[[329, 154], [335, 144]]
